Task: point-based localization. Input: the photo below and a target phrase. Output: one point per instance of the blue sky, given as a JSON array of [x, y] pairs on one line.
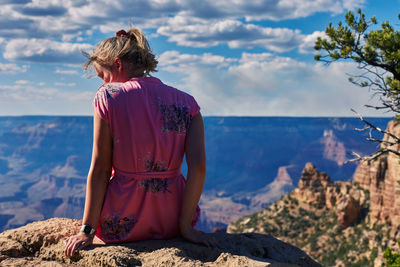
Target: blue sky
[[237, 58]]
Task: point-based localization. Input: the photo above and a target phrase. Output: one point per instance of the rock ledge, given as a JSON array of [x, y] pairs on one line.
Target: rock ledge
[[41, 244]]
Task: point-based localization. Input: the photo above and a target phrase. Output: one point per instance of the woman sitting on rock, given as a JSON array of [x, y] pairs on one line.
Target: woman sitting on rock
[[142, 130]]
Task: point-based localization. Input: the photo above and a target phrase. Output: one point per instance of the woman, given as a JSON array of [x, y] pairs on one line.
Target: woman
[[142, 129]]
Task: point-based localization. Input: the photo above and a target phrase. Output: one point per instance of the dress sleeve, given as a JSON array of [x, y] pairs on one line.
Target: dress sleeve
[[100, 103], [194, 107]]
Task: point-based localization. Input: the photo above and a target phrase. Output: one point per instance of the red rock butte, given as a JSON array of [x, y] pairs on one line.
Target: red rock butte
[[381, 177]]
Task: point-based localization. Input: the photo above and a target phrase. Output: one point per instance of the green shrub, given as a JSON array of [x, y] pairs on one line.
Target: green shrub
[[357, 231], [363, 262], [341, 252], [374, 254], [392, 259], [365, 242], [312, 216], [313, 243], [378, 237]]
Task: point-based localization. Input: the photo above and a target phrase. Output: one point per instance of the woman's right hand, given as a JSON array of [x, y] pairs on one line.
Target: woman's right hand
[[77, 242], [196, 236]]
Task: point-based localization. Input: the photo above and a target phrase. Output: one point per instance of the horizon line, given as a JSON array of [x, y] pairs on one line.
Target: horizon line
[[220, 116]]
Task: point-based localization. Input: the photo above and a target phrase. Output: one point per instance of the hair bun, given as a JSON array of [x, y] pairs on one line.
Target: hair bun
[[130, 46], [123, 33]]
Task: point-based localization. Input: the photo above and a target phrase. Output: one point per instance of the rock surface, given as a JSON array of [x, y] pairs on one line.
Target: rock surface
[[312, 185], [41, 243], [316, 188], [380, 178], [348, 211]]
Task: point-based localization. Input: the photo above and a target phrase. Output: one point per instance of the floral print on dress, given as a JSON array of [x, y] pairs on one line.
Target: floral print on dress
[[106, 90], [155, 185], [175, 117], [151, 166], [116, 228]]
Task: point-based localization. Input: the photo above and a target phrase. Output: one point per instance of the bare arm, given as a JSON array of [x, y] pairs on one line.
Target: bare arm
[[196, 161], [100, 171], [97, 181]]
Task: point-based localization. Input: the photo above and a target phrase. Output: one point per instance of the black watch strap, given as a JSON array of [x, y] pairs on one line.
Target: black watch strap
[[88, 230]]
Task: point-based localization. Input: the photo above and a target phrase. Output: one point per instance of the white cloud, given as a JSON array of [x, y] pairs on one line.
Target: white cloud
[[268, 85], [67, 72], [43, 8], [253, 84], [22, 99], [196, 32], [22, 82], [174, 61], [64, 84], [12, 68], [67, 18], [268, 9], [353, 4], [307, 45], [43, 50]]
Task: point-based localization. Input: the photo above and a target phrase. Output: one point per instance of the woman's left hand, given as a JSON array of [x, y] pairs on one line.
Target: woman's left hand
[[77, 242], [196, 236]]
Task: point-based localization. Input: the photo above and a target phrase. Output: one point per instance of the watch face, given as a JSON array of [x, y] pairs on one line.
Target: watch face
[[86, 229]]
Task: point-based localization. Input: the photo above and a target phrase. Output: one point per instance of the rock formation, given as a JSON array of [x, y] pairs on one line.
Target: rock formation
[[312, 185], [326, 219], [316, 188], [41, 243], [333, 148], [348, 211], [380, 178], [338, 223]]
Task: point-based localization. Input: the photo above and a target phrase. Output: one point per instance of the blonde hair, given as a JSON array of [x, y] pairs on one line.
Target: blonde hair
[[131, 47]]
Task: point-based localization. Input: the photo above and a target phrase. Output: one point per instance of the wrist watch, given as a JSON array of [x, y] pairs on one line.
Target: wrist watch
[[88, 230]]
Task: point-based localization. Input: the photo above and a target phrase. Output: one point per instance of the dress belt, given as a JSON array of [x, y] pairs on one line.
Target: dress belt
[[148, 175]]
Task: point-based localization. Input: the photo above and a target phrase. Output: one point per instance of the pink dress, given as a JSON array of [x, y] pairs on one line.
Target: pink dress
[[148, 122]]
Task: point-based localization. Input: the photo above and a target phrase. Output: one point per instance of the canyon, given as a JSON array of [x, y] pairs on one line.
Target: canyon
[[340, 223], [251, 162]]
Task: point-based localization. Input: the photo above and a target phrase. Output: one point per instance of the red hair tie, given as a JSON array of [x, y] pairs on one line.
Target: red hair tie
[[122, 33]]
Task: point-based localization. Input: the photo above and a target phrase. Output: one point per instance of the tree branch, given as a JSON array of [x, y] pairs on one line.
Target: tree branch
[[386, 143]]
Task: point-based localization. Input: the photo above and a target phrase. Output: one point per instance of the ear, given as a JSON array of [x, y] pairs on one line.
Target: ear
[[118, 64]]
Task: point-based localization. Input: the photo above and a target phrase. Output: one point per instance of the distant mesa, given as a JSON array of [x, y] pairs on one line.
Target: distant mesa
[[333, 148]]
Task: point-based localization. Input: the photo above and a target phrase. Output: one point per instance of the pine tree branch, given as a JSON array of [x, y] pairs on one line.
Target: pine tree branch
[[386, 143], [377, 128]]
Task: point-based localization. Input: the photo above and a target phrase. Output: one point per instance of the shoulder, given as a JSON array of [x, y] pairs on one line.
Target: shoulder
[[104, 98], [108, 91], [180, 101], [179, 93]]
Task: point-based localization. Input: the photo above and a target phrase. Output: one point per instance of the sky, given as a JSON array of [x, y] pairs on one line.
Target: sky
[[237, 58]]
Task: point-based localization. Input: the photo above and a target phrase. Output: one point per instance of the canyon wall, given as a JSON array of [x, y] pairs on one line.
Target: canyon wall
[[381, 178]]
